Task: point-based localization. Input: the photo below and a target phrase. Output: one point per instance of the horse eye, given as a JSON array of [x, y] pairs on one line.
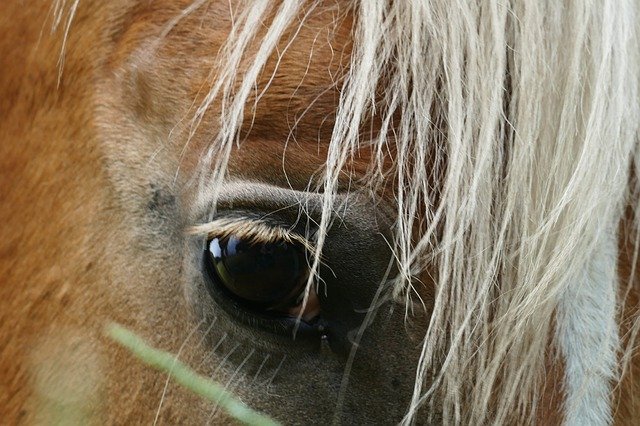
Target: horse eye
[[269, 276]]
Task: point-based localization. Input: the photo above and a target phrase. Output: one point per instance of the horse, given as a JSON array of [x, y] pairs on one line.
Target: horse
[[346, 212]]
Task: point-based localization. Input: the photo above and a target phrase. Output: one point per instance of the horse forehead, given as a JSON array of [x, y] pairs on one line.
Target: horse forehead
[[165, 61], [302, 80], [161, 69]]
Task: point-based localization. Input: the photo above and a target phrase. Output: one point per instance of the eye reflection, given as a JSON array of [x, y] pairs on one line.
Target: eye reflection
[[269, 276]]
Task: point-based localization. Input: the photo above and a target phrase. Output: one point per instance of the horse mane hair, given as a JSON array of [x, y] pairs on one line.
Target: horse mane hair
[[514, 127]]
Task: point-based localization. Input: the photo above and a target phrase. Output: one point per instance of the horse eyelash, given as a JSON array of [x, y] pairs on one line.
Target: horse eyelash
[[252, 230]]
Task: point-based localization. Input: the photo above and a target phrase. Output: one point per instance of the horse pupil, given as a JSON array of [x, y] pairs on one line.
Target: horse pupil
[[264, 274]]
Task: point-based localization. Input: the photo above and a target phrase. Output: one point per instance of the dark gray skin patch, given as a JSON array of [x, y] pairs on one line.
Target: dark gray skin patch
[[162, 202]]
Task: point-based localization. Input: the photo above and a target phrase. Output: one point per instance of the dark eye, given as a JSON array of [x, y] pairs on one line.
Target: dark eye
[[265, 276]]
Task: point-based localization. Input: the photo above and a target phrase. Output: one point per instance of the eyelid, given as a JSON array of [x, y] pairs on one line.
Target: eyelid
[[251, 230]]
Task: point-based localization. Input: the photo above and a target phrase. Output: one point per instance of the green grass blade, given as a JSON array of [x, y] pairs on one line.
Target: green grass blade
[[188, 378]]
